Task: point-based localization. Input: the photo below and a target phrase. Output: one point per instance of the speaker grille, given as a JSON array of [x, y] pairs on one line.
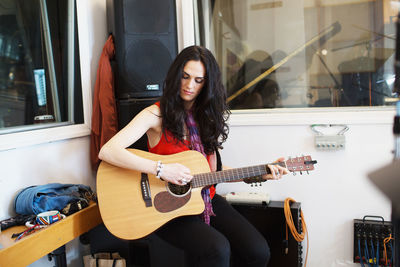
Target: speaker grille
[[146, 16], [145, 45], [146, 62]]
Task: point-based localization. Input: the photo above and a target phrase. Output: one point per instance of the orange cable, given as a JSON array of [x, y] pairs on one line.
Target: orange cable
[[385, 241], [289, 223]]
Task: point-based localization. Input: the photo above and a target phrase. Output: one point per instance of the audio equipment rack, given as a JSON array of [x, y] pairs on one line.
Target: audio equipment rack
[[373, 241]]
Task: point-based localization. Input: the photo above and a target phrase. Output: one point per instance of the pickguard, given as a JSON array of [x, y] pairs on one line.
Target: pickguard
[[165, 202]]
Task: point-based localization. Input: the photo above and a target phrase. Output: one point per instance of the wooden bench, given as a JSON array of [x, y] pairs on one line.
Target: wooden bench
[[42, 242]]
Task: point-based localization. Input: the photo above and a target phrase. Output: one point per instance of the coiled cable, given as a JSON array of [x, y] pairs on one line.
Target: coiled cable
[[299, 237]]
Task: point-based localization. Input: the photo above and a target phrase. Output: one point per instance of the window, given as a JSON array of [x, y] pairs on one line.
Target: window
[[302, 54], [40, 83]]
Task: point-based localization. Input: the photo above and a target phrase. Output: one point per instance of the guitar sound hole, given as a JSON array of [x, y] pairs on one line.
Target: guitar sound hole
[[178, 190]]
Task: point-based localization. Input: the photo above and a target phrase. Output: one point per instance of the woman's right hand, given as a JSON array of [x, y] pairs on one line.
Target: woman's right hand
[[176, 173]]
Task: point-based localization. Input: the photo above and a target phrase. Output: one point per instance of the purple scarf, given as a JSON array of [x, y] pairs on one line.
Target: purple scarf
[[195, 144]]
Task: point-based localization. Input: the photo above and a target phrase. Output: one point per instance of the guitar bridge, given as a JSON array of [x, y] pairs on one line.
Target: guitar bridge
[[145, 187]]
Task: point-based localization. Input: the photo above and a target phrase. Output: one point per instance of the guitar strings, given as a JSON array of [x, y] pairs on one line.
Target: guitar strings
[[227, 175]]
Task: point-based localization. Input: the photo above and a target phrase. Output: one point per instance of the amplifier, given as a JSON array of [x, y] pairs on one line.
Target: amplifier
[[271, 223]]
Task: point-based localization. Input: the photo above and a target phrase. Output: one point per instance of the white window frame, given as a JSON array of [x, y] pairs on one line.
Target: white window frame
[[58, 133], [309, 116]]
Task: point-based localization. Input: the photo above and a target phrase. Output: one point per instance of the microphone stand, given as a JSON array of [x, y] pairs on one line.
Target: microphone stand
[[337, 84]]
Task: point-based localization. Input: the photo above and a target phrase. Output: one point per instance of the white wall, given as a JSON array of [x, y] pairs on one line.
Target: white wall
[[337, 192]]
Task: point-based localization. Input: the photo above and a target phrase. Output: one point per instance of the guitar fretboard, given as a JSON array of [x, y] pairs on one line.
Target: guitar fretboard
[[210, 178]]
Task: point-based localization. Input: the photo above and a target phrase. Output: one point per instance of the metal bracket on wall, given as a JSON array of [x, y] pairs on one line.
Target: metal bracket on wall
[[328, 141]]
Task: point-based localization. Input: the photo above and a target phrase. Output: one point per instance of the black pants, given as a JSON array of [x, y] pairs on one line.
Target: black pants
[[229, 238]]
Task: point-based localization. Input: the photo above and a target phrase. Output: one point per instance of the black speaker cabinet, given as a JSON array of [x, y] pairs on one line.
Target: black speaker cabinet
[[145, 39], [127, 109], [270, 222]]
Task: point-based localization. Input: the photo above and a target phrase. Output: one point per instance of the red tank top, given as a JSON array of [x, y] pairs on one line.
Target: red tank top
[[168, 144]]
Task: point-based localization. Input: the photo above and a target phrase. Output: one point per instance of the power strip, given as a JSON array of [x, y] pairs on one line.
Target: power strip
[[248, 197]]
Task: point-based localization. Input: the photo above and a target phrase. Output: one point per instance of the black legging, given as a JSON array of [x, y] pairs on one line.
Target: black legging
[[230, 235]]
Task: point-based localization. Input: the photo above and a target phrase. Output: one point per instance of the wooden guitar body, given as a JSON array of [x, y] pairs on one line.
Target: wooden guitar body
[[122, 207], [133, 204]]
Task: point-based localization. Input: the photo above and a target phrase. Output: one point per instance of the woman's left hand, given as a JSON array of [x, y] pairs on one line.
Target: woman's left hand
[[277, 171]]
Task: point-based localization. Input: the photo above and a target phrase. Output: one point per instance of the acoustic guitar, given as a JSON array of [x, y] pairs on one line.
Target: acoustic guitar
[[133, 204]]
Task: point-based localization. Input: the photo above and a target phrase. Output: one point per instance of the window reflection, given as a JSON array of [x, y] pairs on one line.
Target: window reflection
[[285, 54], [33, 64]]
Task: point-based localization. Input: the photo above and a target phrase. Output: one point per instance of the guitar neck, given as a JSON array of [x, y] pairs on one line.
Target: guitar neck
[[210, 178]]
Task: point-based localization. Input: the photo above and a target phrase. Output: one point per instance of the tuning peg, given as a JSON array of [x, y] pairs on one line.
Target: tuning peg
[[301, 173], [307, 172]]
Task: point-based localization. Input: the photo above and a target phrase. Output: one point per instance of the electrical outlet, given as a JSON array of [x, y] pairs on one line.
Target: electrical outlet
[[330, 142]]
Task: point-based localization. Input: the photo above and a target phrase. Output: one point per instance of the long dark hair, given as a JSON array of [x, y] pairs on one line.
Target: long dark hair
[[210, 110]]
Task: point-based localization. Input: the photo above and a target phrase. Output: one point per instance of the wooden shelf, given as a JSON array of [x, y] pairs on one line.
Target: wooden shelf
[[42, 242]]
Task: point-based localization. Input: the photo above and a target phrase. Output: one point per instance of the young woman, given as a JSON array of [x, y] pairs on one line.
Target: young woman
[[192, 114]]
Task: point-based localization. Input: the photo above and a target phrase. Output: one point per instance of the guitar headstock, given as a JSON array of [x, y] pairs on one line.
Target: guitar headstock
[[294, 165], [300, 164]]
